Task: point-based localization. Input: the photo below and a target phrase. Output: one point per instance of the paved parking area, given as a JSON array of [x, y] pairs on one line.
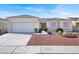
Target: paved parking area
[[12, 43]]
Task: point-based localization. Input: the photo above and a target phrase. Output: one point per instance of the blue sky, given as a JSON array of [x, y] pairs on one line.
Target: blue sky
[[40, 10]]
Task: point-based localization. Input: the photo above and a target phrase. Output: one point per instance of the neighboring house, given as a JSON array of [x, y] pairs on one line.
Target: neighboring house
[[75, 24], [3, 25], [27, 24]]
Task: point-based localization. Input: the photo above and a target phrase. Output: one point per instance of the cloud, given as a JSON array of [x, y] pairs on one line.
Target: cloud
[[59, 11], [64, 11], [35, 9]]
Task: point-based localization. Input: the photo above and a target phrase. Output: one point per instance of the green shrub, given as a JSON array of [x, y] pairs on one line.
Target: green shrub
[[46, 29], [71, 33], [59, 32], [40, 30], [59, 29], [49, 33]]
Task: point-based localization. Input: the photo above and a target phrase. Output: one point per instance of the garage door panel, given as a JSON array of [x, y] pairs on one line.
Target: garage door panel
[[23, 27]]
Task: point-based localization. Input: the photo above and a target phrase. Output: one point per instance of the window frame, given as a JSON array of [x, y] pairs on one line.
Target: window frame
[[66, 24], [53, 24]]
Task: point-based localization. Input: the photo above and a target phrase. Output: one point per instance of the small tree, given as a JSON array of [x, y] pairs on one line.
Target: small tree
[[46, 29], [40, 30], [59, 30]]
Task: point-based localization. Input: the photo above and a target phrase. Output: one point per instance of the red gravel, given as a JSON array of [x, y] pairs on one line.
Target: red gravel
[[54, 40]]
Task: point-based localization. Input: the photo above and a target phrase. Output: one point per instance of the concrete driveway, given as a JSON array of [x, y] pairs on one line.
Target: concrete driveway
[[12, 43], [14, 39]]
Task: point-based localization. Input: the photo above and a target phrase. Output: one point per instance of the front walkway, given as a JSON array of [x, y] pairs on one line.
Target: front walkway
[[16, 44]]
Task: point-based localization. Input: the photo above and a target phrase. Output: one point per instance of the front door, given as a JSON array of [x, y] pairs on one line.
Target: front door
[[43, 25]]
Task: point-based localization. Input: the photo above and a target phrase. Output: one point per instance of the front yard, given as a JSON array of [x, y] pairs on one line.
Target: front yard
[[12, 43], [52, 40]]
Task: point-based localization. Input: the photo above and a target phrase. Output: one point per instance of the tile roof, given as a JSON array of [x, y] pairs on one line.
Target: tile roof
[[1, 19], [23, 16], [74, 17], [49, 19]]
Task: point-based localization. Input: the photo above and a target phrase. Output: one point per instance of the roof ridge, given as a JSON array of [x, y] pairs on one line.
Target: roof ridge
[[21, 16]]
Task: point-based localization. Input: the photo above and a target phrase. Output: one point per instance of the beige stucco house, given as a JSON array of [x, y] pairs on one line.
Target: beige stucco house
[[27, 24], [75, 24]]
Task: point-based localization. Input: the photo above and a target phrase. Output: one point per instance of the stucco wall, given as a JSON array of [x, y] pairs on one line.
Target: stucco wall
[[50, 28], [59, 24], [8, 24], [75, 27], [69, 28]]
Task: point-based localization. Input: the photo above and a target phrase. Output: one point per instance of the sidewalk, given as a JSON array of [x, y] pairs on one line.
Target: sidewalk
[[21, 49]]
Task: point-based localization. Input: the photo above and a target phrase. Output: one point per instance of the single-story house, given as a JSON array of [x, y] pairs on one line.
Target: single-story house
[[75, 23], [28, 23]]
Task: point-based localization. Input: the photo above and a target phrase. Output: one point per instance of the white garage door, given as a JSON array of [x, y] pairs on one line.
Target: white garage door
[[23, 27]]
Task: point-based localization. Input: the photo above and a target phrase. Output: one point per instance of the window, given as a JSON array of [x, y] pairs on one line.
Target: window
[[53, 24], [66, 24]]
